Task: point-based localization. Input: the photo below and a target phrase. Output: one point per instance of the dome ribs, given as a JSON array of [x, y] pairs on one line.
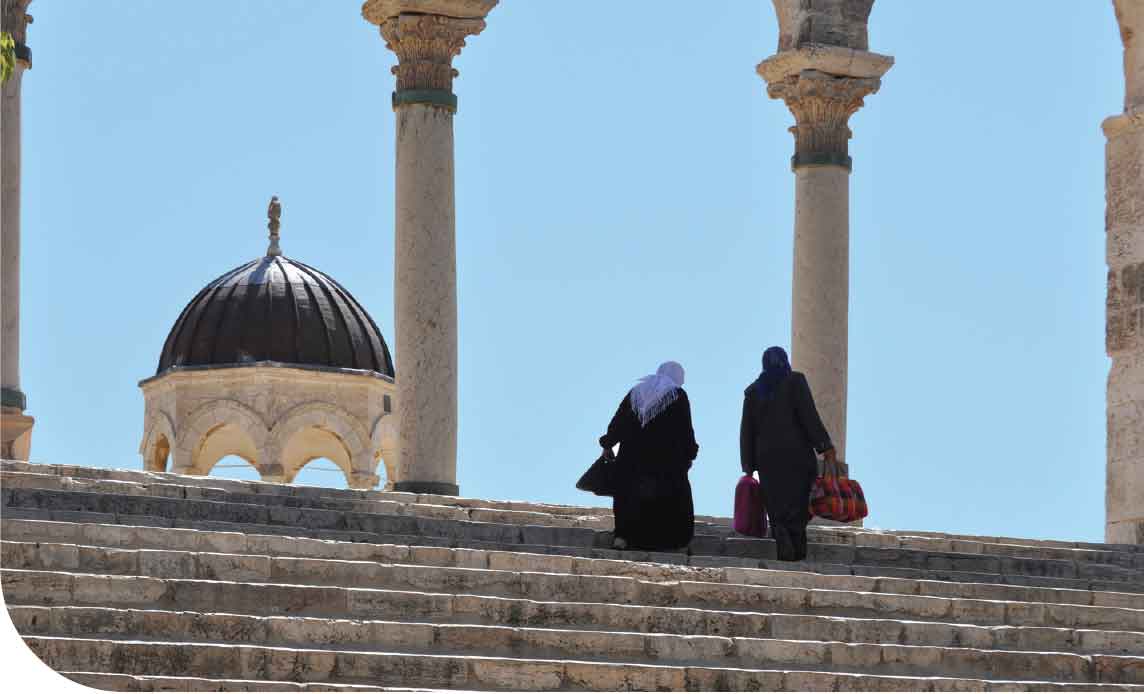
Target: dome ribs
[[332, 312], [274, 309], [176, 350], [362, 339], [225, 340], [284, 323]]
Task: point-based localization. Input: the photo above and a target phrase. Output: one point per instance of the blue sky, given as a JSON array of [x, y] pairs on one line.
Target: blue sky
[[623, 197]]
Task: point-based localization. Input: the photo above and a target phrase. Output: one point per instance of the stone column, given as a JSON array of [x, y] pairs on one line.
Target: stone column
[[1124, 334], [822, 71], [15, 426], [426, 35]]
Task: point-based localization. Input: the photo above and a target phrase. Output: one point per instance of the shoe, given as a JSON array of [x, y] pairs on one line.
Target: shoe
[[619, 543]]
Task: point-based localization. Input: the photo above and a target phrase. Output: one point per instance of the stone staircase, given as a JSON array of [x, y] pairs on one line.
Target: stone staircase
[[136, 581]]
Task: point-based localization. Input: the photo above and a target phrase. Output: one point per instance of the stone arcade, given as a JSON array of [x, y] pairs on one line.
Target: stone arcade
[[156, 581]]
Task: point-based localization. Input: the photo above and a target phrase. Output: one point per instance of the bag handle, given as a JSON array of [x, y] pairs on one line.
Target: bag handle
[[841, 471]]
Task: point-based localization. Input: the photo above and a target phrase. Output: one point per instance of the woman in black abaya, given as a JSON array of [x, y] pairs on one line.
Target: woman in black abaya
[[779, 435], [652, 502]]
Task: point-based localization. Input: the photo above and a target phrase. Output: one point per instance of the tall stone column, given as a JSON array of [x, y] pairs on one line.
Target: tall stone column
[[822, 71], [426, 35], [15, 426], [1124, 334]]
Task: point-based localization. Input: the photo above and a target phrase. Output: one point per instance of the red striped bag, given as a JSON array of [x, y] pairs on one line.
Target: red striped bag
[[838, 499]]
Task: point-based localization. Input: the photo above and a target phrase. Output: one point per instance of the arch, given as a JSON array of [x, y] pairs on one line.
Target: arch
[[311, 443], [321, 430], [235, 467], [320, 471], [158, 442], [216, 429]]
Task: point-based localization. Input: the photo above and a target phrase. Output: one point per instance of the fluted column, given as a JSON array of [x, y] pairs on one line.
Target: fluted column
[[1124, 333], [823, 72], [15, 426], [426, 35]]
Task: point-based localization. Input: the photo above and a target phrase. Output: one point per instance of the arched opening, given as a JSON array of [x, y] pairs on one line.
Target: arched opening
[[233, 467], [321, 472], [160, 456], [323, 452], [222, 442]]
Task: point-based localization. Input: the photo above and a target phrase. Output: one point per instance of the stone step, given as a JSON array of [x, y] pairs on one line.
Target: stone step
[[403, 505], [143, 683], [144, 537], [557, 514], [174, 564], [1132, 580], [500, 641], [56, 588], [1120, 591], [478, 672], [295, 490]]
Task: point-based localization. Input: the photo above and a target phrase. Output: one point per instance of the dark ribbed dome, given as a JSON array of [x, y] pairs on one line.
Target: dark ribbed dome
[[278, 310]]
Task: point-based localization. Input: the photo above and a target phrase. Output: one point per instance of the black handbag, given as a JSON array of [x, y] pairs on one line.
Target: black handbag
[[599, 479]]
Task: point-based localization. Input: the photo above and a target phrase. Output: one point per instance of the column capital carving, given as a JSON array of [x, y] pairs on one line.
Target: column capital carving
[[426, 35], [16, 21], [822, 105]]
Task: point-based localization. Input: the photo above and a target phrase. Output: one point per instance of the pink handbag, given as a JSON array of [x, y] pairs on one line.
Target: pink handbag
[[750, 513]]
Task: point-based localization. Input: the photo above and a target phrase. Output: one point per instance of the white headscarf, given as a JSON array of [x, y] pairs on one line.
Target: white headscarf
[[654, 393]]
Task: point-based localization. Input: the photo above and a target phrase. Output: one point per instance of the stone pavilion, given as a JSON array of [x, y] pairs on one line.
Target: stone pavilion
[[278, 364]]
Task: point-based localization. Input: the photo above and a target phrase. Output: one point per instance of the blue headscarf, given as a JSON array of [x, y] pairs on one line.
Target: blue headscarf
[[776, 368]]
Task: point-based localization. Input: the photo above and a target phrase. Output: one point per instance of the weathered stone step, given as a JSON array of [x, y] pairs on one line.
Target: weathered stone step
[[47, 588], [458, 508], [144, 683], [294, 490], [588, 516], [500, 641], [476, 672], [569, 587], [143, 537], [1111, 588], [405, 504], [199, 510]]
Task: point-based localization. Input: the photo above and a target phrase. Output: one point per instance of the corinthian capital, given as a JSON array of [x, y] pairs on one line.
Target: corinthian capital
[[425, 46], [426, 35], [15, 21], [822, 105]]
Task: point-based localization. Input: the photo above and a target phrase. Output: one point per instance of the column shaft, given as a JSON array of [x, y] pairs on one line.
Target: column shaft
[[819, 315], [425, 289], [15, 426], [1124, 329], [1124, 495], [10, 241]]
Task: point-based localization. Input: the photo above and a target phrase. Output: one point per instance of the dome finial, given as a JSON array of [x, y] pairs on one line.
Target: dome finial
[[274, 213]]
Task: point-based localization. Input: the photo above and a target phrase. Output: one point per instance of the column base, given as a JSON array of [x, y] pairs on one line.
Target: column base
[[1128, 532], [15, 434], [441, 488], [360, 480]]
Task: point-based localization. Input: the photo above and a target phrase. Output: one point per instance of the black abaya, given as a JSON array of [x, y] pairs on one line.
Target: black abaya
[[778, 437], [652, 503]]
